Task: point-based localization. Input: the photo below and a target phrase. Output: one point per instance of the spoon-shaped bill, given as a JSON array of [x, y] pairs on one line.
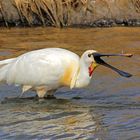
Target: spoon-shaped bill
[[102, 55], [102, 62]]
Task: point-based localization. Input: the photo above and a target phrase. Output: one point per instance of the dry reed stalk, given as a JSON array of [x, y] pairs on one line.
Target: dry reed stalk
[[55, 12], [3, 15], [44, 9], [136, 4], [21, 9]]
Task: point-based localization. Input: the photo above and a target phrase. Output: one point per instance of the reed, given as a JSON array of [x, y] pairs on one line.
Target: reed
[[136, 4], [60, 13], [50, 12], [3, 14]]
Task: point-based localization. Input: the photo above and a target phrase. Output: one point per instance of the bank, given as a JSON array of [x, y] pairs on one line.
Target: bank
[[63, 13]]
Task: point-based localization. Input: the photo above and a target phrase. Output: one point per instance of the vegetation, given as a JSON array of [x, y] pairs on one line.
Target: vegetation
[[66, 12], [50, 12]]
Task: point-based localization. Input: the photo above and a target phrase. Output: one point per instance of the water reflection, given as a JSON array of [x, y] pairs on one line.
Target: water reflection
[[54, 119]]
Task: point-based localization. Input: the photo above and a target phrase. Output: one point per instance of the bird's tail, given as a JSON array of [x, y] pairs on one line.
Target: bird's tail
[[5, 62], [4, 68]]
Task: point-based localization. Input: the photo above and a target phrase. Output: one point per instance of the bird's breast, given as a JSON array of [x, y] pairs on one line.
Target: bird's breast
[[67, 75]]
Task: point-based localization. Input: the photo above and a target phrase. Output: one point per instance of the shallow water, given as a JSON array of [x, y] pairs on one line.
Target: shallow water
[[108, 109]]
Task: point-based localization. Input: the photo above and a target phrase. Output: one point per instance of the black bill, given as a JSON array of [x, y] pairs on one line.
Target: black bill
[[97, 58]]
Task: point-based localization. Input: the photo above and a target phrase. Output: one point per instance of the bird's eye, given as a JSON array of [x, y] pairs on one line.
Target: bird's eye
[[89, 55]]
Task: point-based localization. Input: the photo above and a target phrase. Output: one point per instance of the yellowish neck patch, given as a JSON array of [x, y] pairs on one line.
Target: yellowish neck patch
[[67, 76]]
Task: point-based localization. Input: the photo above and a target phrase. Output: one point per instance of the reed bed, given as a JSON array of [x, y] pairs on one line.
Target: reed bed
[[136, 4], [49, 12], [61, 13]]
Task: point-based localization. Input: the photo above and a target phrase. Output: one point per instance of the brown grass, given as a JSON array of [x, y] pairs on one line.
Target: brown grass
[[136, 4], [3, 15], [62, 12], [41, 8], [52, 12]]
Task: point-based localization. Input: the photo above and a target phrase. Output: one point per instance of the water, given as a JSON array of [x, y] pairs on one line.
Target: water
[[108, 109]]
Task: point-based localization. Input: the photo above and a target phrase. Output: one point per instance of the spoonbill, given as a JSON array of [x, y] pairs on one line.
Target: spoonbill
[[46, 70]]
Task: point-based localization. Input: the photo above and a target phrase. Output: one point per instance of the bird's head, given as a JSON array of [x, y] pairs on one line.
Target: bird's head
[[93, 59]]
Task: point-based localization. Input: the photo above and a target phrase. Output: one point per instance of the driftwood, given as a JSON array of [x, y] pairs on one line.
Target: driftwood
[[61, 13]]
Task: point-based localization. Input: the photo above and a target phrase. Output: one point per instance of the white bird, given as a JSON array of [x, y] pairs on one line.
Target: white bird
[[48, 69]]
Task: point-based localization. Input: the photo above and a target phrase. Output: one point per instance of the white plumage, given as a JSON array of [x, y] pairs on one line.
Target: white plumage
[[43, 70], [46, 70]]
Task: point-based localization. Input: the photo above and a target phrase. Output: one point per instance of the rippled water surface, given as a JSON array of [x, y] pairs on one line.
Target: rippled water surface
[[108, 109]]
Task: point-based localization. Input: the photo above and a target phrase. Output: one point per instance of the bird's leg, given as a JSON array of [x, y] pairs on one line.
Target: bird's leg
[[41, 91], [50, 94], [24, 89]]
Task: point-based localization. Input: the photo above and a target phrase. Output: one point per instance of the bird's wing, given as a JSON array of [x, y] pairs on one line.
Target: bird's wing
[[39, 67]]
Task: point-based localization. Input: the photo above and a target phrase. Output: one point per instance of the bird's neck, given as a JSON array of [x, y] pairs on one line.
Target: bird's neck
[[84, 75]]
